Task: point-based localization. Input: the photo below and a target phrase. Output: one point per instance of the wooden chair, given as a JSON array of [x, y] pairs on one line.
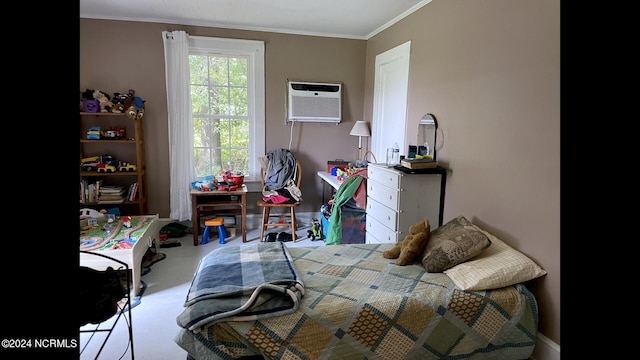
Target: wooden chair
[[282, 216]]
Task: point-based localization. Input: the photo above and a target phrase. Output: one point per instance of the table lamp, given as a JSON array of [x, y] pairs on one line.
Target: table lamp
[[360, 129]]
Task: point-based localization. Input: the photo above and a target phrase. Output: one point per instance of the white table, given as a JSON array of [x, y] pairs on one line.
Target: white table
[[132, 257], [327, 178]]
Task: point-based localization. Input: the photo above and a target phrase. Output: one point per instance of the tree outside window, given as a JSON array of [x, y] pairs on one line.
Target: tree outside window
[[221, 119]]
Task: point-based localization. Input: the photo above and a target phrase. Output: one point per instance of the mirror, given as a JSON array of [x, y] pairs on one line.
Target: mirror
[[427, 135]]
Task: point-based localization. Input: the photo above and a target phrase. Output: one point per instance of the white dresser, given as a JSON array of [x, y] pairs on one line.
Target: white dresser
[[397, 200]]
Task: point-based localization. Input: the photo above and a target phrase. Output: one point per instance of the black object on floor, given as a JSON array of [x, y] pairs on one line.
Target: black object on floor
[[170, 244], [174, 230], [284, 237], [270, 237]]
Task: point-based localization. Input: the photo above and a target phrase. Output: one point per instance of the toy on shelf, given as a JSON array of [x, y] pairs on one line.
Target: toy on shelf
[[106, 163], [104, 100], [115, 133], [94, 133], [121, 102], [135, 111]]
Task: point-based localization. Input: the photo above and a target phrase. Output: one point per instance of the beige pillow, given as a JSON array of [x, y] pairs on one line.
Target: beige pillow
[[453, 243], [498, 266]]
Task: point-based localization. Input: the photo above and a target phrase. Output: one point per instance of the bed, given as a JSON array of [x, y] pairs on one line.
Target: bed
[[348, 302]]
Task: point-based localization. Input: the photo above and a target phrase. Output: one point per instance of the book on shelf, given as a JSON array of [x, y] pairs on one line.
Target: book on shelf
[[89, 191], [120, 201], [111, 189], [104, 197], [418, 163], [133, 191], [111, 193]]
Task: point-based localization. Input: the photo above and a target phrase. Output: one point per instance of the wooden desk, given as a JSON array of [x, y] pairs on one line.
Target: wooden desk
[[218, 201], [144, 237]]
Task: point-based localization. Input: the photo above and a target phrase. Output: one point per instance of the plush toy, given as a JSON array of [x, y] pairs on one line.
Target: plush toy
[[87, 94], [122, 102], [104, 99], [410, 249], [136, 110], [117, 108]]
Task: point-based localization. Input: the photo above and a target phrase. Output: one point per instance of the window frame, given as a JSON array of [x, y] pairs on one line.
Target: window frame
[[254, 50]]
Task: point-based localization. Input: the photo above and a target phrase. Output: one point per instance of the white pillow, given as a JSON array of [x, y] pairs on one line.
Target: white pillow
[[497, 266]]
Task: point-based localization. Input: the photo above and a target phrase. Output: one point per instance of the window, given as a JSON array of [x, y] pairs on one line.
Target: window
[[227, 105]]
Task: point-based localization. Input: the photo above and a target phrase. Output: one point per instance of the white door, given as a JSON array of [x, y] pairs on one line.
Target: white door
[[391, 82]]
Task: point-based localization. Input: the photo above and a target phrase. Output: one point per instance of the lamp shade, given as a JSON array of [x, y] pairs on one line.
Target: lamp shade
[[360, 128]]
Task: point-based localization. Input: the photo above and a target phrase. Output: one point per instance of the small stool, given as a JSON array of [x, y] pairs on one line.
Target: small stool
[[222, 230]]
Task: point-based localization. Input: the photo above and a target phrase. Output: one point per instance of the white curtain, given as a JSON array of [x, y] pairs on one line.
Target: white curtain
[[181, 170]]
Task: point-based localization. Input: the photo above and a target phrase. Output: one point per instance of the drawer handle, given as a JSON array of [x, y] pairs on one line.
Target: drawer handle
[[390, 197], [388, 217]]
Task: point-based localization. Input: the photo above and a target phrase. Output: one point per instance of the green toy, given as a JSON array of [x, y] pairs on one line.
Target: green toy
[[316, 230]]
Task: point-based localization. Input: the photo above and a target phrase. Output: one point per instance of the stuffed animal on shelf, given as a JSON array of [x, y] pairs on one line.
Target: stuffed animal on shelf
[[410, 249], [117, 108], [104, 99], [87, 94], [121, 102], [136, 110]]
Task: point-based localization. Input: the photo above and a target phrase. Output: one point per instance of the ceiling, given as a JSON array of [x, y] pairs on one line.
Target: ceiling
[[357, 19]]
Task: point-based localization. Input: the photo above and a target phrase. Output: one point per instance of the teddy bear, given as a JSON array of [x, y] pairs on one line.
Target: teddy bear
[[410, 249]]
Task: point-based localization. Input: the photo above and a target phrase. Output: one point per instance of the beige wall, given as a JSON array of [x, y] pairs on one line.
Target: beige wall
[[489, 71], [136, 60]]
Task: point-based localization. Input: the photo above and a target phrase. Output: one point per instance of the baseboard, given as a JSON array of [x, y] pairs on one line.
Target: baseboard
[[545, 349]]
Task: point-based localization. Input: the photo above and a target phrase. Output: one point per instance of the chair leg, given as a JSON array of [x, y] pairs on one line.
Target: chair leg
[[294, 227], [265, 219], [205, 235], [222, 233]]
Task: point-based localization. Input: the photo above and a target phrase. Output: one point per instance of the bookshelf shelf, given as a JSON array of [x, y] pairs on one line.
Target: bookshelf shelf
[[131, 150]]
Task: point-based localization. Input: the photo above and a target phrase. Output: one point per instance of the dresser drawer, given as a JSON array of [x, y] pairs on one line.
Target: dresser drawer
[[385, 195], [390, 178], [380, 232], [385, 215], [371, 239]]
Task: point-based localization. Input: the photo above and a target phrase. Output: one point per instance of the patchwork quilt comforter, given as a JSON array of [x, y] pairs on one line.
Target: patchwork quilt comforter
[[359, 305]]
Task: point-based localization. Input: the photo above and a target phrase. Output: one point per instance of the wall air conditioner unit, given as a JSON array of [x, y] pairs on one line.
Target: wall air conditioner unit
[[315, 102]]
